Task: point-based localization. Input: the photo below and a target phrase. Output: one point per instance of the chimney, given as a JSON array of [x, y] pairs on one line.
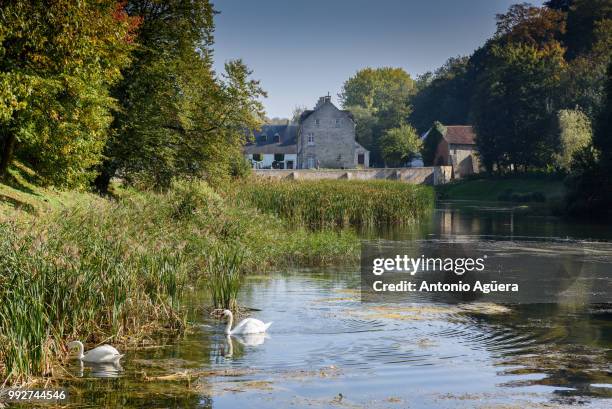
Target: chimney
[[322, 100]]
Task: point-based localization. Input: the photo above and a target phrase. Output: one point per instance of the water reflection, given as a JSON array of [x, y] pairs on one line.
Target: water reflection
[[325, 342]]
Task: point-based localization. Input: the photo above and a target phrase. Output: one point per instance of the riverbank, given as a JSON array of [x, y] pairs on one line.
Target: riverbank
[[532, 190], [74, 265]]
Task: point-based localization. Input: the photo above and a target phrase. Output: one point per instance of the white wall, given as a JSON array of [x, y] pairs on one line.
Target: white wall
[[268, 158]]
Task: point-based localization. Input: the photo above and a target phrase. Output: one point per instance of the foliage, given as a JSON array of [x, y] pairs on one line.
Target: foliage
[[514, 103], [177, 117], [574, 130], [57, 63], [335, 203], [399, 145], [590, 184], [380, 100], [582, 20], [366, 127], [530, 25], [443, 95], [435, 135]]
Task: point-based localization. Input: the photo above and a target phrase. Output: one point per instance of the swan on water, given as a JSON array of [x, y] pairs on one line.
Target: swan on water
[[246, 326], [101, 354]]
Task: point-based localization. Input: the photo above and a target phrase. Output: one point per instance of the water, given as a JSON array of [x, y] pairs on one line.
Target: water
[[326, 349]]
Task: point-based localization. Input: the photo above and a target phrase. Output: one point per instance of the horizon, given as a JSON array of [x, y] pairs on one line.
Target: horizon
[[394, 38]]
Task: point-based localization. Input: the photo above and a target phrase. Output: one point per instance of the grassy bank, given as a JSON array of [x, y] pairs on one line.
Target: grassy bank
[[519, 188], [336, 203], [77, 266]]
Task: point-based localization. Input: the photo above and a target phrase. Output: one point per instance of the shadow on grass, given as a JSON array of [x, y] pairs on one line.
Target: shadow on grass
[[16, 177], [18, 204]]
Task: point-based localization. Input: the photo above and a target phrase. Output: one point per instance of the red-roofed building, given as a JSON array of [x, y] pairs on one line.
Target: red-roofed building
[[457, 148]]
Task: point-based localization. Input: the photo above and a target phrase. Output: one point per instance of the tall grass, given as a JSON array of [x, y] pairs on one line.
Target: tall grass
[[337, 203], [224, 277], [99, 269]]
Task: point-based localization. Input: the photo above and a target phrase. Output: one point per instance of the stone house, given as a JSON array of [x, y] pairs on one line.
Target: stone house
[[457, 148], [324, 137]]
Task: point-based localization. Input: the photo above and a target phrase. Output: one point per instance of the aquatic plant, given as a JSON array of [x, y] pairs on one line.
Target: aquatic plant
[[321, 204], [98, 269], [224, 277]]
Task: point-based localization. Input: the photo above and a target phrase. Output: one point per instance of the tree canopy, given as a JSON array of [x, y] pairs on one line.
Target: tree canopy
[[379, 98], [58, 62]]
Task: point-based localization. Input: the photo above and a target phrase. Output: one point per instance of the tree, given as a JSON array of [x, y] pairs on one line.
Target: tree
[[562, 5], [399, 145], [514, 104], [177, 117], [602, 140], [366, 126], [386, 91], [573, 128], [530, 25], [434, 136], [590, 184], [443, 96], [582, 20], [382, 93], [297, 112], [58, 60]]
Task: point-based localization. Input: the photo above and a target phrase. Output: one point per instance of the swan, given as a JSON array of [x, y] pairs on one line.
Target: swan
[[246, 326], [101, 354]]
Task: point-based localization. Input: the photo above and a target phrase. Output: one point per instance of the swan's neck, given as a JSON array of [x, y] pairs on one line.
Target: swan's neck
[[230, 346], [81, 349], [228, 326]]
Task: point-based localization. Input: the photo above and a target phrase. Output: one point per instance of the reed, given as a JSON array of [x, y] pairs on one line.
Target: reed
[[97, 270], [323, 204], [224, 277]]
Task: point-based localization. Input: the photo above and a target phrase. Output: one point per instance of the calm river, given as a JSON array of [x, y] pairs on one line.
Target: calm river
[[327, 349]]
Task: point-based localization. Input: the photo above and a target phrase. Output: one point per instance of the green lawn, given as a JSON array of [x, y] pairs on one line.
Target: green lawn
[[490, 189]]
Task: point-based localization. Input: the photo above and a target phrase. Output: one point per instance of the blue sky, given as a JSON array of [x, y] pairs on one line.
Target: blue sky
[[301, 50]]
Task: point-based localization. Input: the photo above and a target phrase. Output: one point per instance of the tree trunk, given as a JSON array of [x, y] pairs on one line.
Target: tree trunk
[[7, 146], [102, 181]]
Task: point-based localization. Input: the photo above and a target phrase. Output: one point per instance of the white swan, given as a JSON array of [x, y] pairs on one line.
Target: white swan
[[101, 354], [246, 326]]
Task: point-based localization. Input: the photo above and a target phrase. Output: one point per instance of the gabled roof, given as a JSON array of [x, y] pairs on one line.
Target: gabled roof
[[460, 135], [308, 112], [267, 140]]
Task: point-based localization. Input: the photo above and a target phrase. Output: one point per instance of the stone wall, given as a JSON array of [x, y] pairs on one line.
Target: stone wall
[[434, 175]]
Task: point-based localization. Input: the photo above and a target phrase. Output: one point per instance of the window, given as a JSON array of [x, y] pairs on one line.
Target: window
[[264, 137], [257, 157], [311, 139], [338, 121], [277, 138], [317, 122], [279, 157]]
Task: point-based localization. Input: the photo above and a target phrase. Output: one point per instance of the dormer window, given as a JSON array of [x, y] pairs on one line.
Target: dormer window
[[264, 137], [277, 138]]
